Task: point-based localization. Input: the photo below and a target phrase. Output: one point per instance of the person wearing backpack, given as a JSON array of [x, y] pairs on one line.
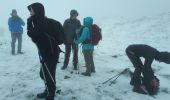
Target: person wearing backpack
[[70, 26], [15, 24], [42, 31], [87, 46], [149, 80]]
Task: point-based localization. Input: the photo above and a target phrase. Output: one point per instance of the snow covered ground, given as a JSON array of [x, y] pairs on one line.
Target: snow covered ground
[[19, 75]]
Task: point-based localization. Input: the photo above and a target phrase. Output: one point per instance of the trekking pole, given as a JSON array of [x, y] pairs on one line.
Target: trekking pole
[[41, 59], [45, 81], [49, 73], [110, 79], [116, 76], [125, 70], [114, 80], [78, 66]]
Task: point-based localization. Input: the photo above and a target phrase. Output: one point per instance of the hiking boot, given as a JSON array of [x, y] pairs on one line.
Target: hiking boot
[[93, 71], [63, 68], [13, 53], [49, 97], [75, 68], [42, 95], [139, 90], [86, 74], [20, 52]]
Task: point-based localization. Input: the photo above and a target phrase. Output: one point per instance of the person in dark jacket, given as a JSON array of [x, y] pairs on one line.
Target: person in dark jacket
[[150, 81], [70, 26], [38, 29], [15, 24]]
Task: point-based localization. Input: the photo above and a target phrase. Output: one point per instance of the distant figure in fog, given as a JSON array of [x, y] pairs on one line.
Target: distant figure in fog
[[15, 24]]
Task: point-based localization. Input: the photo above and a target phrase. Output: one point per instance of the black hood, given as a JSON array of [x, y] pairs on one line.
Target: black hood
[[38, 9]]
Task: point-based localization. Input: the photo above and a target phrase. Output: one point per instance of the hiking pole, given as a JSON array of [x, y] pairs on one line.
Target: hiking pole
[[45, 81], [41, 59], [110, 79], [114, 80], [49, 73], [117, 75], [125, 70]]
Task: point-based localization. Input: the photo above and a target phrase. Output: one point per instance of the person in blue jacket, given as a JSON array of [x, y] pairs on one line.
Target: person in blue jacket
[[15, 24], [87, 47]]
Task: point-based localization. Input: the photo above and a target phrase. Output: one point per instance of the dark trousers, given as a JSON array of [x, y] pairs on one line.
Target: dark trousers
[[88, 56], [50, 80], [14, 37], [68, 48], [139, 69]]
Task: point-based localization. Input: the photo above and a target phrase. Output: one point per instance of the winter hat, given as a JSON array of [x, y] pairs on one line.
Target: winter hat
[[73, 12], [14, 11]]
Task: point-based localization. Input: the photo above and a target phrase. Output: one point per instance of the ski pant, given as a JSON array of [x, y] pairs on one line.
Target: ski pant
[[88, 56], [14, 37], [67, 54], [50, 80], [146, 71]]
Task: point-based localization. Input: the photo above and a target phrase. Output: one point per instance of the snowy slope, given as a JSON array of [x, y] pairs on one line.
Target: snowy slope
[[20, 74]]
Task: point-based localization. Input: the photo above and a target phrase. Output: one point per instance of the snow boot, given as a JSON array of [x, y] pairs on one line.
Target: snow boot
[[139, 90], [63, 68], [49, 97], [42, 95], [86, 74]]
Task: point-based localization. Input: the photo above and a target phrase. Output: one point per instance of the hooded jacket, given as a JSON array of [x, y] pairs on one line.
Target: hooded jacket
[[38, 28], [88, 21]]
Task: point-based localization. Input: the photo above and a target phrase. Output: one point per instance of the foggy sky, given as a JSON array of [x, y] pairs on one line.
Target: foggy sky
[[59, 9]]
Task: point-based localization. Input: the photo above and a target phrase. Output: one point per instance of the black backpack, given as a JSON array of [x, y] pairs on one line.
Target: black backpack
[[56, 31]]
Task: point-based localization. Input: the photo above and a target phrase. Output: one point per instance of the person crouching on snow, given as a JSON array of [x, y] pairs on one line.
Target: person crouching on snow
[[87, 47], [149, 80]]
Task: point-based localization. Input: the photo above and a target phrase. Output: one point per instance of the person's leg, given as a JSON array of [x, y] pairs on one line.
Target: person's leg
[[13, 36], [49, 69], [92, 61], [19, 42], [75, 55], [67, 55], [137, 63], [87, 62], [150, 81]]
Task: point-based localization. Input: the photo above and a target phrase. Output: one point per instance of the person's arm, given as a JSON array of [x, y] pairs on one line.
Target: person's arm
[[83, 36], [32, 31], [65, 25], [22, 23], [9, 23]]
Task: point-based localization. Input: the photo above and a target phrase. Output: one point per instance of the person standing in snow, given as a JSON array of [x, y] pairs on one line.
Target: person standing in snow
[[39, 30], [70, 26], [149, 80], [87, 46], [15, 24]]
